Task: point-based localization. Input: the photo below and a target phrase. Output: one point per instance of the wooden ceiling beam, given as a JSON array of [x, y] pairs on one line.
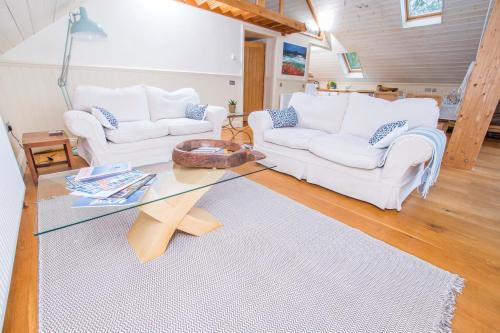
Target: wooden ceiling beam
[[266, 13], [250, 12], [313, 13], [212, 4], [481, 98]]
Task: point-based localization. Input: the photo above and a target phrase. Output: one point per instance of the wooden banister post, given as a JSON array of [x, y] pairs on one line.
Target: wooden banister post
[[282, 7], [480, 100]]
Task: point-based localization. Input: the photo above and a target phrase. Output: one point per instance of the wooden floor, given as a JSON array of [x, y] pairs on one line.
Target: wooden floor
[[457, 228]]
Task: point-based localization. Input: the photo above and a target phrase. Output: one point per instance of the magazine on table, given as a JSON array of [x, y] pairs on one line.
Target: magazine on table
[[131, 199], [104, 188], [208, 150], [130, 190], [102, 171]]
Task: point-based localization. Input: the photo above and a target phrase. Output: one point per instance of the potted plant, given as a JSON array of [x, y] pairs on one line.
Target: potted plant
[[232, 106], [332, 85]]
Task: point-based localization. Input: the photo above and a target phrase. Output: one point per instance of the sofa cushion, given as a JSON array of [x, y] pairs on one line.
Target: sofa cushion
[[196, 111], [134, 131], [185, 126], [168, 105], [292, 137], [365, 114], [106, 118], [126, 104], [387, 133], [348, 150], [283, 118], [320, 112]]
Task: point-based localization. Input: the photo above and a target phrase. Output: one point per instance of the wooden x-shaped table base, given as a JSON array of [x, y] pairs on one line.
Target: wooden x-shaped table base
[[158, 221]]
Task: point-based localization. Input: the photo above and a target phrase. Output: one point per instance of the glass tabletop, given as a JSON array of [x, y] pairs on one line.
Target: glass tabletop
[[64, 209], [236, 115]]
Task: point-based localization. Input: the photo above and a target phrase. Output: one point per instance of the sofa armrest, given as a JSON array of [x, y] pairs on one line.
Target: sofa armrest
[[406, 152], [259, 121], [85, 125], [216, 115]]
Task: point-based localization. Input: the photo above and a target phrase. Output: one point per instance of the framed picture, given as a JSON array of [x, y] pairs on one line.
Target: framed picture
[[294, 60]]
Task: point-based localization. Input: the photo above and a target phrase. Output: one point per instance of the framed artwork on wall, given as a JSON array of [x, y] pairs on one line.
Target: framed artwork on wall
[[294, 59]]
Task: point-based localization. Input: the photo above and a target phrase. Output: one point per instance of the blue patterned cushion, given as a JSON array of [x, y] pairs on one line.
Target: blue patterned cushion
[[284, 118], [195, 111], [106, 118], [387, 133]]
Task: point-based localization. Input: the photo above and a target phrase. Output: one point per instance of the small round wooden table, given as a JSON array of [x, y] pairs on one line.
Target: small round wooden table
[[236, 130]]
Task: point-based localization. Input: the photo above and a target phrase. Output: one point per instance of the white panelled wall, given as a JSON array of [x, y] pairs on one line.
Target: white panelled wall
[[31, 100], [156, 42]]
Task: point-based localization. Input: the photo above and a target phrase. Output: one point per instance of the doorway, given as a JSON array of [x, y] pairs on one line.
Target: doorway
[[254, 76]]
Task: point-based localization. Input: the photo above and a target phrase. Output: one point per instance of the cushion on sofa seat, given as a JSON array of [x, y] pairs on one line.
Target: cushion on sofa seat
[[134, 131], [168, 105], [292, 137], [348, 150], [185, 126], [365, 114], [320, 112], [126, 104]]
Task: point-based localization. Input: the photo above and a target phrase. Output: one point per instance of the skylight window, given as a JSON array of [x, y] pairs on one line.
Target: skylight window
[[421, 12], [423, 8], [352, 62], [351, 65]]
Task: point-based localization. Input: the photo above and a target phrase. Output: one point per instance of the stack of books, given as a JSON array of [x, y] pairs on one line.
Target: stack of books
[[109, 185]]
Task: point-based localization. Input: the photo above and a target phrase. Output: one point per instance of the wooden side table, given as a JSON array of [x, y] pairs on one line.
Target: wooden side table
[[43, 139]]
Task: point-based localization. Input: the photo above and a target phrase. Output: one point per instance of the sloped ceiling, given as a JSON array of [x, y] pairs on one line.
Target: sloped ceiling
[[388, 52], [19, 19]]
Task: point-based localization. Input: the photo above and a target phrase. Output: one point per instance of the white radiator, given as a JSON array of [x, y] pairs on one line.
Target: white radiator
[[11, 203]]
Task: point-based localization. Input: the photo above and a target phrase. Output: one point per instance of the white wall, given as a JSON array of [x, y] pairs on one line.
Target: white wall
[[11, 204], [156, 42], [153, 34], [31, 100]]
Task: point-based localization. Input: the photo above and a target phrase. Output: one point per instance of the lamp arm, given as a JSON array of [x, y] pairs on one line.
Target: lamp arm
[[62, 81]]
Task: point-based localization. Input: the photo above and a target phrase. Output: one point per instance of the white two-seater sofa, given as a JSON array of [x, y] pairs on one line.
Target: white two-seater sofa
[[329, 146], [151, 122]]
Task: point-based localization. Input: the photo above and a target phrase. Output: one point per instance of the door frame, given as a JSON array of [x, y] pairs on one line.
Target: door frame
[[269, 70]]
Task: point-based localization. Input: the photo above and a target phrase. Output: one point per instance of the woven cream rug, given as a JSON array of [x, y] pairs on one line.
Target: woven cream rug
[[275, 266]]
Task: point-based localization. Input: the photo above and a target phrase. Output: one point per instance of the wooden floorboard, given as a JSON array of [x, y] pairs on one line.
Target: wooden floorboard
[[457, 228]]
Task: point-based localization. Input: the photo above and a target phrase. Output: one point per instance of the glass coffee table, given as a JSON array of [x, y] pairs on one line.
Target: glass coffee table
[[167, 205]]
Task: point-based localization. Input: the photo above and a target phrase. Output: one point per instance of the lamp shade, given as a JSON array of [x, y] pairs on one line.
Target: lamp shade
[[86, 29]]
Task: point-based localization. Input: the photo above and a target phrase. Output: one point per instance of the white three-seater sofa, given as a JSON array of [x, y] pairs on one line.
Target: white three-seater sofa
[[329, 146]]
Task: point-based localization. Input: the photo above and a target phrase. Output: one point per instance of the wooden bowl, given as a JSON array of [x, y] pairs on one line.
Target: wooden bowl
[[236, 154]]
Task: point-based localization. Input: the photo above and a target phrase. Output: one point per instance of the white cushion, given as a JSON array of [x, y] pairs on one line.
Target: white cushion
[[347, 150], [168, 105], [320, 112], [134, 131], [365, 114], [185, 126], [126, 104], [292, 137]]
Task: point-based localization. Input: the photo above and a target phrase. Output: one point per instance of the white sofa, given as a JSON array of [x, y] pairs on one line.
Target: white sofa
[[151, 122], [329, 146]]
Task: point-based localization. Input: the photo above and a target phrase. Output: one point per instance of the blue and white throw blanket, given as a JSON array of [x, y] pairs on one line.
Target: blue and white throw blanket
[[437, 139]]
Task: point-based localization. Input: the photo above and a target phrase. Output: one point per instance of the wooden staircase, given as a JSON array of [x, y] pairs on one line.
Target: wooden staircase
[[252, 13]]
